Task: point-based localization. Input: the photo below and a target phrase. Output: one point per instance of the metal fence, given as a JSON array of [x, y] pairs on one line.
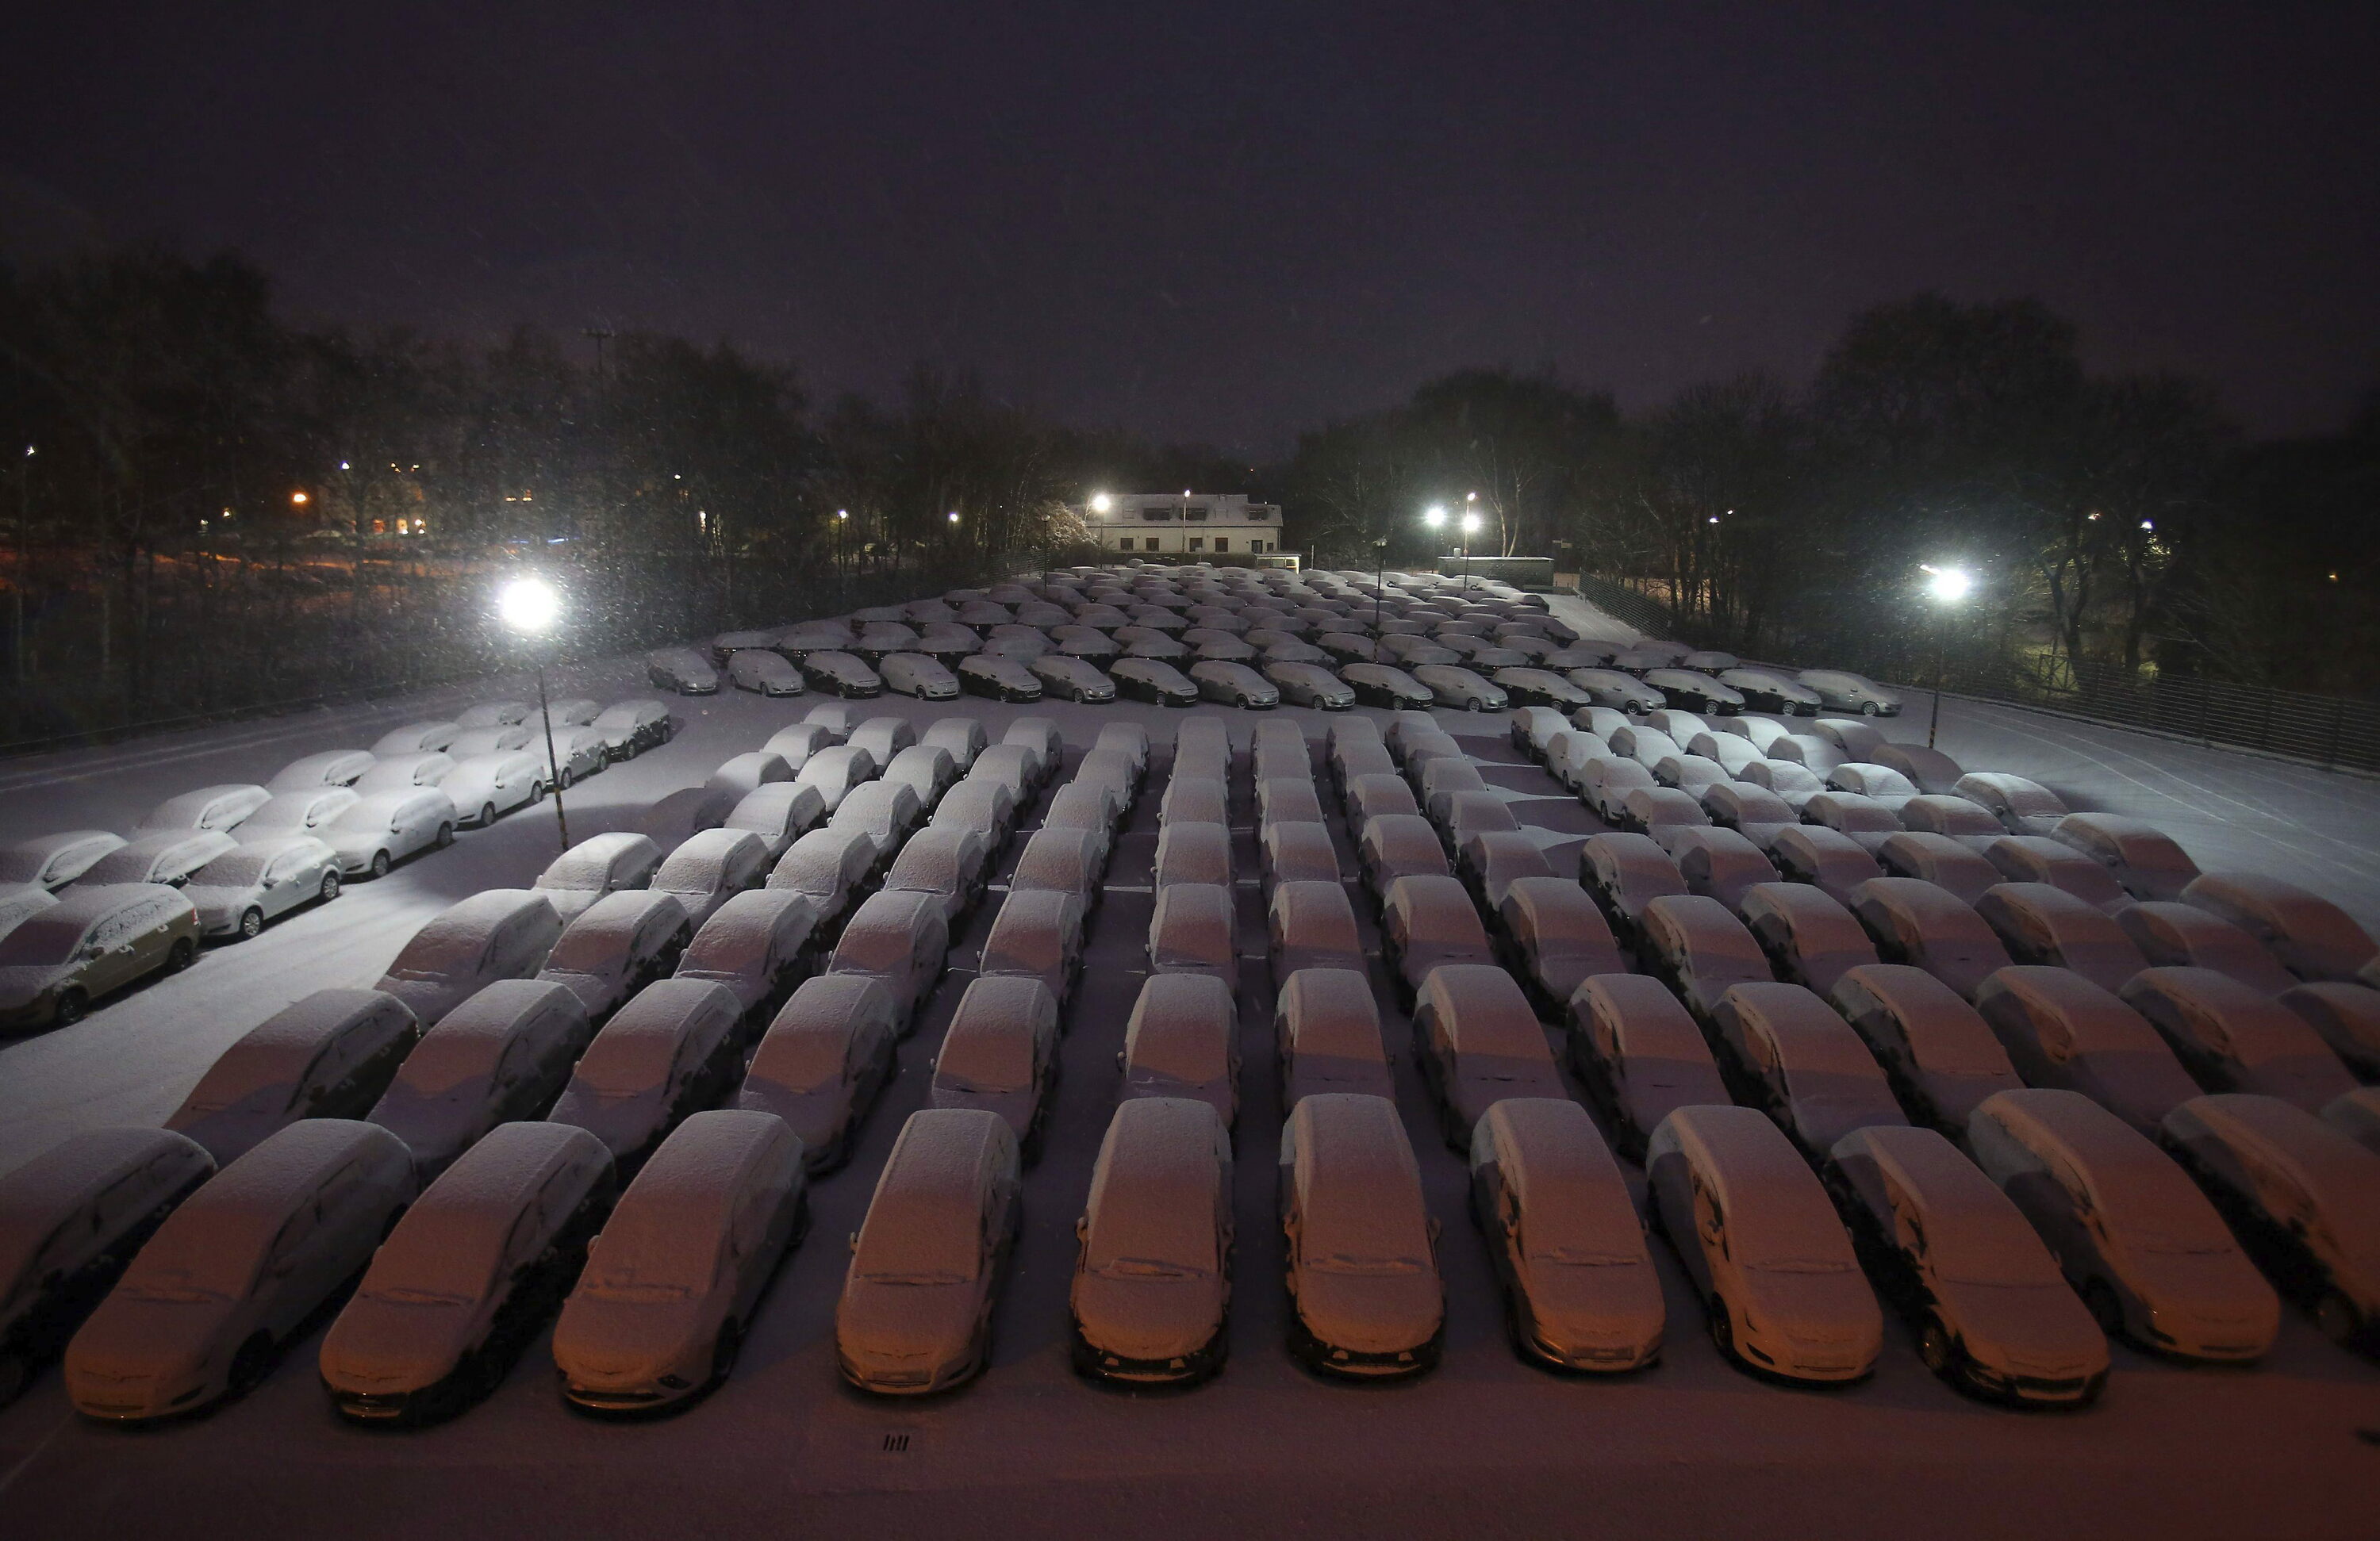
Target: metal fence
[[2333, 732]]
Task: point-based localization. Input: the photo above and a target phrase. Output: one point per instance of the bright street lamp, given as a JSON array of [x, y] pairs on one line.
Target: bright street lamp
[[531, 606], [1101, 503], [1435, 516], [1947, 588]]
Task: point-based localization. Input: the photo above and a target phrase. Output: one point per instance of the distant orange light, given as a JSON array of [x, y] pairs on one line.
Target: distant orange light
[[298, 497]]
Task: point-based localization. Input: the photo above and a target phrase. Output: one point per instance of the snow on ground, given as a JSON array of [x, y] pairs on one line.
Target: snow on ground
[[1483, 1447]]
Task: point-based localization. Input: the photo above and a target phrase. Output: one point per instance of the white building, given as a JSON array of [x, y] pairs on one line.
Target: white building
[[1191, 526]]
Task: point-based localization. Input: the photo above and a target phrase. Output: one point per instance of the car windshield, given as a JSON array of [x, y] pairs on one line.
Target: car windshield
[[924, 1239], [648, 1257], [233, 869], [41, 941], [447, 1260]]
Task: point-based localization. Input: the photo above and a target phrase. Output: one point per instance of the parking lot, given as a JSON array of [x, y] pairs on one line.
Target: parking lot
[[1486, 1445]]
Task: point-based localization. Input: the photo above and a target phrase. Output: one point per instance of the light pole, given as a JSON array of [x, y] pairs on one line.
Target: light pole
[[531, 606], [1947, 588], [1379, 579], [1434, 516], [1470, 528]]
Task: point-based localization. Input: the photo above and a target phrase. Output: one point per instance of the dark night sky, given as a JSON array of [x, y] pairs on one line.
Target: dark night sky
[[1228, 220]]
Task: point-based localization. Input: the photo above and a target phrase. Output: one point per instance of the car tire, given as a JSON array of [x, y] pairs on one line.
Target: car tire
[[446, 834], [487, 814], [2334, 1313], [1722, 1328], [179, 957], [250, 1365], [72, 1005], [2105, 1308], [725, 1350], [1938, 1350], [1474, 704], [1869, 709], [379, 864], [331, 886], [564, 783], [251, 924]]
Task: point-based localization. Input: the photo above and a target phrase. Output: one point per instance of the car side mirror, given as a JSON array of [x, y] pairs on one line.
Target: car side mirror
[[854, 1240], [1082, 1228]]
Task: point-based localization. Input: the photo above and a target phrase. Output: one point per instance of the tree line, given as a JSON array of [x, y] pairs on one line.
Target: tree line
[[215, 509]]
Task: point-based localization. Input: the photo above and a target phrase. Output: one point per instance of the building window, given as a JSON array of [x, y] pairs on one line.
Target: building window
[[1155, 513], [1222, 542], [1124, 544], [1256, 546], [1194, 513], [1197, 542]]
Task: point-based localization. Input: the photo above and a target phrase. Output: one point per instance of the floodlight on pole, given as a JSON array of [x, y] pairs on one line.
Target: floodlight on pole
[[1101, 503], [531, 606], [1948, 585], [1947, 588], [1434, 516]]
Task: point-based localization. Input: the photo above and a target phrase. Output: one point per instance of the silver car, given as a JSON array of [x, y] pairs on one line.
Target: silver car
[[239, 893]]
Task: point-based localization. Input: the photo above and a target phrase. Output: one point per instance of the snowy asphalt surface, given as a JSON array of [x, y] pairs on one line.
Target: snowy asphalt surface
[[1486, 1446]]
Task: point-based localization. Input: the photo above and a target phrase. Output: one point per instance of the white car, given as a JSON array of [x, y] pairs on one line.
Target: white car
[[414, 737], [764, 673], [383, 828], [1841, 690], [486, 787], [168, 857], [709, 869], [242, 890], [928, 679], [1235, 684], [493, 714], [629, 728], [658, 1315], [617, 946], [600, 865], [490, 741], [294, 813], [234, 1274], [468, 1276], [681, 670], [582, 752], [501, 1055], [330, 1054], [54, 861], [398, 772], [332, 767], [220, 809]]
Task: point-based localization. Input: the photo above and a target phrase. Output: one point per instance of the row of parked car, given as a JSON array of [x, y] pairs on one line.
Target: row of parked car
[[86, 912], [1786, 1292]]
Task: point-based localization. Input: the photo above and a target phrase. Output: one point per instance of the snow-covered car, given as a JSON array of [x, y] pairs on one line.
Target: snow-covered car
[[1000, 1054], [947, 642], [499, 933], [1191, 931], [98, 938], [231, 1276], [298, 813], [2297, 1191], [1453, 686], [925, 769], [1310, 684], [953, 863], [570, 712], [658, 1315], [766, 674], [917, 675], [617, 946], [501, 1055], [383, 827], [2063, 1032], [331, 767], [881, 639], [219, 809], [1540, 688], [596, 866], [1038, 934], [473, 742], [2313, 938], [398, 772], [1152, 1287], [2139, 1242], [1772, 690], [2149, 863], [1914, 921], [1379, 685], [962, 738], [1701, 949], [168, 857], [1154, 681], [415, 738], [1233, 684], [681, 670], [75, 1215], [493, 714], [582, 753], [54, 861], [1071, 678], [2233, 1038], [629, 728], [914, 1316], [2023, 806], [486, 787], [1427, 923], [830, 867], [710, 868], [756, 945], [1183, 1040], [239, 893], [330, 1054], [841, 673], [1841, 690], [1001, 678], [1639, 1055], [1366, 1301], [1618, 690], [1956, 1259], [1476, 1040], [670, 1051], [468, 1277], [779, 812], [1790, 1055], [1763, 1248], [899, 939], [1327, 1036], [824, 1059], [887, 810], [1695, 691], [1563, 1234]]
